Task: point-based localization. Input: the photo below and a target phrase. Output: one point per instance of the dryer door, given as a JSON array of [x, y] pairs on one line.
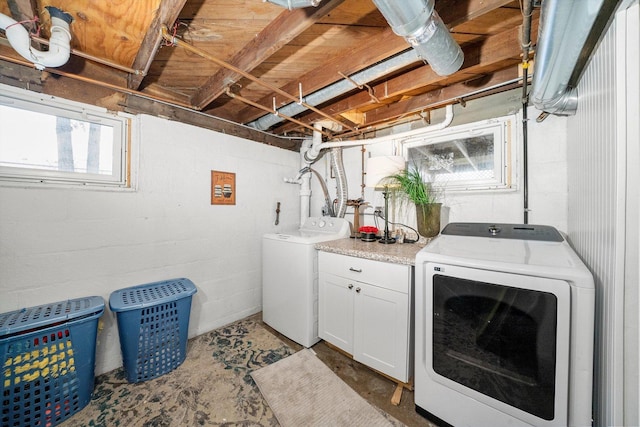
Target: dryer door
[[499, 338]]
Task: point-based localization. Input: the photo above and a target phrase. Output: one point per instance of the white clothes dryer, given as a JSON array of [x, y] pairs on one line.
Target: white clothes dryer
[[504, 328], [290, 277]]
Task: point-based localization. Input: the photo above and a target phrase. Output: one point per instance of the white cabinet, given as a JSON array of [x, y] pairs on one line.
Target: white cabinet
[[365, 310]]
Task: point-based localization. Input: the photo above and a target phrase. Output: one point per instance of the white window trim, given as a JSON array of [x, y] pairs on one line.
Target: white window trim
[[124, 150], [505, 134]]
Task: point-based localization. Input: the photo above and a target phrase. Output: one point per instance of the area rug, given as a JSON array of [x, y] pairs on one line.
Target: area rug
[[213, 386], [303, 391]]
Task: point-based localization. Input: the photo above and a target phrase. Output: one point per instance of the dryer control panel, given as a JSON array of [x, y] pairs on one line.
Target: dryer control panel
[[543, 233]]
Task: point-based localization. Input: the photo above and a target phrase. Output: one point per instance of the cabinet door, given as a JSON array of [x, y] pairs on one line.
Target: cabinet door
[[335, 310], [381, 330]]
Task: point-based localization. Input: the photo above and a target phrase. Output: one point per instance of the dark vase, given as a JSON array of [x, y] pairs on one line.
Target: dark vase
[[428, 217]]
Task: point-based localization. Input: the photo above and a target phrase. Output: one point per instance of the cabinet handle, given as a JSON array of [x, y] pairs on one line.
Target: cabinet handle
[[356, 270], [358, 290], [350, 286]]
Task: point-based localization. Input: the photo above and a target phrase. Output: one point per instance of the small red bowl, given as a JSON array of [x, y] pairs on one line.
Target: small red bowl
[[368, 229]]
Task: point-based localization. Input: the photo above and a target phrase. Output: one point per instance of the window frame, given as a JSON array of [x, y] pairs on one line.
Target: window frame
[[59, 107], [503, 131]]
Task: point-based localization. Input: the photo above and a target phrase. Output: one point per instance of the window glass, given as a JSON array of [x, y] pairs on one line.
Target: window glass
[[469, 157], [48, 143], [463, 159]]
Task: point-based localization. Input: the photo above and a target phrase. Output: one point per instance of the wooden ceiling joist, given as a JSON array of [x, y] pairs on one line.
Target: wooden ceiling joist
[[277, 34], [438, 98], [455, 11], [117, 62], [136, 105], [502, 48], [373, 51], [166, 14]]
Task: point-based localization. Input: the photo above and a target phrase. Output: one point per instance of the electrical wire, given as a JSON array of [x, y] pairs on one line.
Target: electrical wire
[[379, 214]]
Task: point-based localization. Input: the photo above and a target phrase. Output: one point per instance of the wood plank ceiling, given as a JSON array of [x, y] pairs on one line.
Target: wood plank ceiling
[[122, 61]]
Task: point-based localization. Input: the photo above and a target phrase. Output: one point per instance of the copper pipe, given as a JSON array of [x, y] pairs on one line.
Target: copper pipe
[[268, 110], [81, 54], [96, 59], [486, 91], [99, 83], [178, 42]]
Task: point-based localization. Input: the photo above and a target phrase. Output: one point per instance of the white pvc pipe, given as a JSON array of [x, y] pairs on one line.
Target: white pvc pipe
[[59, 43], [312, 153]]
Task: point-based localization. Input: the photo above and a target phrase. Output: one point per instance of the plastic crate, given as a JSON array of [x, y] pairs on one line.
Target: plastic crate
[[153, 323], [48, 359]]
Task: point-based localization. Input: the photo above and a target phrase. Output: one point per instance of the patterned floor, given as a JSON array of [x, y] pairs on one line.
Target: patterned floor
[[213, 387]]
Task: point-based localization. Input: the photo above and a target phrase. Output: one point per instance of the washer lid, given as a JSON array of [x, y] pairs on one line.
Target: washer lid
[[326, 225], [543, 233], [315, 230], [303, 237]]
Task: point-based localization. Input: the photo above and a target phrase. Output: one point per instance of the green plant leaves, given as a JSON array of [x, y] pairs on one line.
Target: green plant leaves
[[410, 184]]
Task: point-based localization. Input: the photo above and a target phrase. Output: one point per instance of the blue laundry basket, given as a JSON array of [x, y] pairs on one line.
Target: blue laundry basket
[[48, 360], [153, 324]]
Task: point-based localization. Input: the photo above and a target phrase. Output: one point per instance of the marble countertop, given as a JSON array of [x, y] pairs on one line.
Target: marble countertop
[[398, 253]]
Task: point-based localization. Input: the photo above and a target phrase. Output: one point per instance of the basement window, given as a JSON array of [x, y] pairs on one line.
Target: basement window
[[48, 140], [475, 156]]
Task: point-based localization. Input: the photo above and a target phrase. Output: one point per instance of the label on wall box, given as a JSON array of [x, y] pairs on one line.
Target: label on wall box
[[223, 188]]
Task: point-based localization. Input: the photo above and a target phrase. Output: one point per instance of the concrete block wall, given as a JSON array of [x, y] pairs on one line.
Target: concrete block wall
[[547, 173], [58, 243]]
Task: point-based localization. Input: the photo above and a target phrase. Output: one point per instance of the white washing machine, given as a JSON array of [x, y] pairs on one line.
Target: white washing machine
[[290, 277], [504, 328]]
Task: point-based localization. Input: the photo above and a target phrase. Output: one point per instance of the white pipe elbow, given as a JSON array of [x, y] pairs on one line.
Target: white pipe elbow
[[59, 43], [311, 155]]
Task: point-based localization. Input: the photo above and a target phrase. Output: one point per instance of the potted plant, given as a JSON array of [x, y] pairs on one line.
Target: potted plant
[[409, 185]]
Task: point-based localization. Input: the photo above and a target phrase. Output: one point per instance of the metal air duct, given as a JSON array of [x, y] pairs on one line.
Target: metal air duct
[[419, 23], [569, 30], [59, 43], [341, 182], [340, 87], [295, 4]]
